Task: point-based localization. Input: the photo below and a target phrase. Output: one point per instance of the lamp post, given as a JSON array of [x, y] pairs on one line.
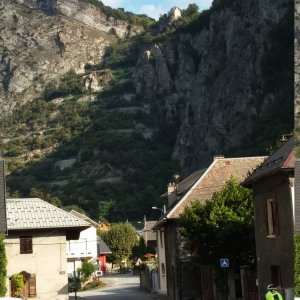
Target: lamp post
[[162, 210]]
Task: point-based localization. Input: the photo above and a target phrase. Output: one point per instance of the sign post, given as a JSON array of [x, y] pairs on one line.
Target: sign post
[[224, 263]]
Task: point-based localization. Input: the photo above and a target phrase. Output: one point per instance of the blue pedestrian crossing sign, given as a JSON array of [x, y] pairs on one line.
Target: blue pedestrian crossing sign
[[224, 263]]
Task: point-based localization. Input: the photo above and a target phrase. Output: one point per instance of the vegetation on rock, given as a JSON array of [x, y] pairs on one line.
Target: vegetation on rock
[[110, 153]]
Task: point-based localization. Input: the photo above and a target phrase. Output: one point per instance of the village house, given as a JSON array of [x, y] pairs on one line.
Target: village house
[[88, 247], [175, 280], [274, 211], [149, 235], [36, 247]]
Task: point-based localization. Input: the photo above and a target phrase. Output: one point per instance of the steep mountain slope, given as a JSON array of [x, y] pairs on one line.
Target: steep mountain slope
[[42, 40], [103, 135]]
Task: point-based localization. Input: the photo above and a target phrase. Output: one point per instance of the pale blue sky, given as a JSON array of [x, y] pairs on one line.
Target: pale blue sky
[[153, 8]]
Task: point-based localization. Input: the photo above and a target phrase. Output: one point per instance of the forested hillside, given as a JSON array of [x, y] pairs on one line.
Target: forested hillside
[[108, 134]]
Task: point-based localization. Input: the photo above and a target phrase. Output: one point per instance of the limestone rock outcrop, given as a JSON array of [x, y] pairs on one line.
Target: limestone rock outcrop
[[210, 81], [42, 40]]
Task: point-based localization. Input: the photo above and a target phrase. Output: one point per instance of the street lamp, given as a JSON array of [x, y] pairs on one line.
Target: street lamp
[[163, 211], [154, 207]]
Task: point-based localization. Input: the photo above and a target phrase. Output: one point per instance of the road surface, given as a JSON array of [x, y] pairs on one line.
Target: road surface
[[118, 287]]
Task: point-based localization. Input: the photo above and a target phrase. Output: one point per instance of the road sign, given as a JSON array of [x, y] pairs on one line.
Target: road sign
[[224, 263]]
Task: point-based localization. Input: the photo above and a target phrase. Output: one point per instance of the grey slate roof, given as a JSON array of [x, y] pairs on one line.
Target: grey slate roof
[[282, 159], [103, 248], [184, 185], [34, 213], [3, 225]]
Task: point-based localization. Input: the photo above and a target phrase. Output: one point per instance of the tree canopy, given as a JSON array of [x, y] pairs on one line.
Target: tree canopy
[[3, 264], [221, 227], [120, 238]]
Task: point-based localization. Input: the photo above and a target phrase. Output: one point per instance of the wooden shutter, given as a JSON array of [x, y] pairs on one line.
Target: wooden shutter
[[25, 244], [275, 217], [266, 217], [271, 217], [29, 244], [32, 286]]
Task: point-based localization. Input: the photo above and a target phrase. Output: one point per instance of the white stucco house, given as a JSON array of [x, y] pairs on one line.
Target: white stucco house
[[88, 247], [36, 247], [83, 248]]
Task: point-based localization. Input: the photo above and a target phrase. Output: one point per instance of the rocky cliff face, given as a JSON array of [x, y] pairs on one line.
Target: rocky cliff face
[[210, 80], [85, 13], [206, 79], [41, 40]]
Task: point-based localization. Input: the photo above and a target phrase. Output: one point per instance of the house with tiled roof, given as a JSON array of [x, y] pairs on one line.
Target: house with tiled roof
[[275, 210], [149, 235], [175, 280], [89, 247], [36, 247]]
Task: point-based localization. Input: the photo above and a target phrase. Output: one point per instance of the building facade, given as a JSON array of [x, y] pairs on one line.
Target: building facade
[[36, 247], [274, 211]]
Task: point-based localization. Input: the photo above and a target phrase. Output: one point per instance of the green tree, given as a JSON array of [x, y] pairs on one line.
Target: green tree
[[18, 283], [297, 265], [191, 10], [3, 265], [120, 238], [35, 193], [221, 227], [139, 250], [87, 269]]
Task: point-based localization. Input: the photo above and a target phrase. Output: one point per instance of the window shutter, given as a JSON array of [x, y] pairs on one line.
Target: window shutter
[[266, 218], [32, 286], [29, 245], [275, 217], [25, 244], [22, 246]]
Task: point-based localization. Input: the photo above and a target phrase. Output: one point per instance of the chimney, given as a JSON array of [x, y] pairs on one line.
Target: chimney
[[172, 193], [218, 157]]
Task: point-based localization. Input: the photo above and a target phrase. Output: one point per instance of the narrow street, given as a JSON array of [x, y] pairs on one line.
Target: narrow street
[[118, 287]]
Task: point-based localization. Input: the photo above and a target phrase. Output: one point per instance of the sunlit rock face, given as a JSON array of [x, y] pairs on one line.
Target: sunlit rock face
[[42, 40]]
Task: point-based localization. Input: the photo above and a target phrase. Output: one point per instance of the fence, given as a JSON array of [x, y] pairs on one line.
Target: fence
[[149, 280]]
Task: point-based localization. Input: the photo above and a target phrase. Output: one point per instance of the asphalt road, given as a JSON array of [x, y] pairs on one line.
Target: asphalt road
[[118, 287]]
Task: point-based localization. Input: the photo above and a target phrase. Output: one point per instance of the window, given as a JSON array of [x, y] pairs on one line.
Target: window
[[163, 270], [25, 244], [272, 220]]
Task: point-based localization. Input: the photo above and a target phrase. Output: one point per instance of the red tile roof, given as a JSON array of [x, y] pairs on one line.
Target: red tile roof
[[213, 179]]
